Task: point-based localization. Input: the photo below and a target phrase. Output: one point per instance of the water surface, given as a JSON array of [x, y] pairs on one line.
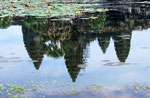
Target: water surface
[[60, 57]]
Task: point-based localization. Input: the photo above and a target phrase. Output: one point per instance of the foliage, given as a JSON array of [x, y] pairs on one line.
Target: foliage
[[5, 22], [36, 24], [53, 50], [98, 21]]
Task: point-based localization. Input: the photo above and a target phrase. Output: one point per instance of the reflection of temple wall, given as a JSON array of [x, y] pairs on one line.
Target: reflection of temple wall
[[34, 45], [18, 21], [58, 30], [138, 18]]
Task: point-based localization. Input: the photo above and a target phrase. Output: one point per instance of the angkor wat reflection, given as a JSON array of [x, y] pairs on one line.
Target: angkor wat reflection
[[71, 39]]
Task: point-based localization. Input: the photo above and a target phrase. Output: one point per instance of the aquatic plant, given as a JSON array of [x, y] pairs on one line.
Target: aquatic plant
[[47, 8], [16, 88]]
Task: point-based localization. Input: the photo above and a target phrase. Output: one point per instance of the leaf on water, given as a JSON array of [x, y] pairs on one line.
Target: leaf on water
[[9, 93], [136, 92], [136, 88], [96, 85], [54, 81], [148, 87], [78, 12], [65, 84], [1, 85]]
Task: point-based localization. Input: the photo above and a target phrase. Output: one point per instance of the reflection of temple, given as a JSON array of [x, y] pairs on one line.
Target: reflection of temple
[[122, 46], [74, 37], [34, 45], [120, 31], [75, 50], [103, 41]]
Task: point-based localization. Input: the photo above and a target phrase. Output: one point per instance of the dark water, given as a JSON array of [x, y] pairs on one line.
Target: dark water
[[56, 58]]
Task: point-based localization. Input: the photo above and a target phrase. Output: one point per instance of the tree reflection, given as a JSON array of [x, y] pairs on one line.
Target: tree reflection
[[5, 22], [54, 50]]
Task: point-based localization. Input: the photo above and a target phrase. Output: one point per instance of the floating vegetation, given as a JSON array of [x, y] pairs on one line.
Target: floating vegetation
[[74, 91], [12, 59], [41, 89], [47, 8], [1, 86], [18, 89], [11, 90], [65, 84], [97, 86]]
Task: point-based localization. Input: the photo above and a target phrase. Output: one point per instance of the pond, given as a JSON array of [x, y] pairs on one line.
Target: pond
[[97, 54]]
